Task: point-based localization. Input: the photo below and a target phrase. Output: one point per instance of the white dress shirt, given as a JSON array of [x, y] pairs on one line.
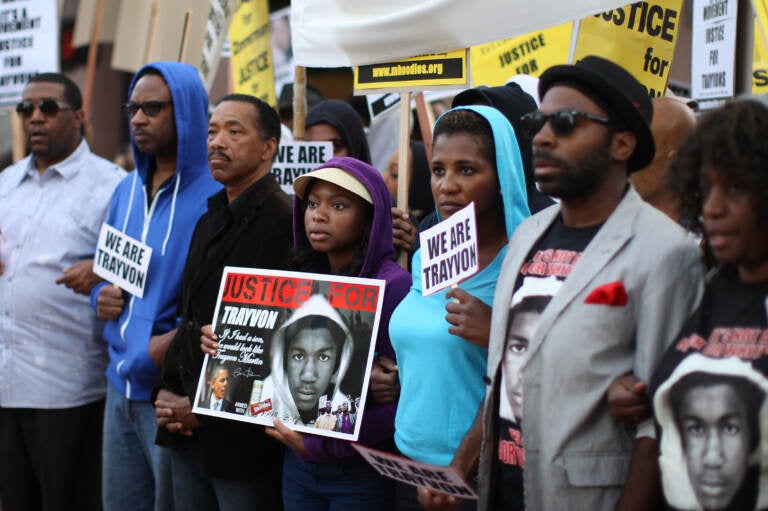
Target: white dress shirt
[[51, 351]]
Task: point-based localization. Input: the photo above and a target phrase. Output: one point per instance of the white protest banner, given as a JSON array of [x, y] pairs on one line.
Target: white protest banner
[[294, 159], [296, 346], [338, 33], [449, 251], [436, 478], [29, 44], [122, 260], [713, 49]]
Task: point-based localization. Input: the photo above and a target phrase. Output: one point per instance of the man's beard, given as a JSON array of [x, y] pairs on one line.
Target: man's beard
[[577, 179]]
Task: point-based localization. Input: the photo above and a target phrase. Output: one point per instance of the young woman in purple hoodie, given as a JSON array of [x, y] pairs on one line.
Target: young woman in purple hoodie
[[343, 226]]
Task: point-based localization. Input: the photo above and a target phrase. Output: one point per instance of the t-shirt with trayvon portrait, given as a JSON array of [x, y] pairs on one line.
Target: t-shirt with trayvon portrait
[[710, 401], [541, 276]]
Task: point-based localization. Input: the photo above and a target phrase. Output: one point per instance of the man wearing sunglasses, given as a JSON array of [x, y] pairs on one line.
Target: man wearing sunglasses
[[623, 278], [52, 360], [159, 205]]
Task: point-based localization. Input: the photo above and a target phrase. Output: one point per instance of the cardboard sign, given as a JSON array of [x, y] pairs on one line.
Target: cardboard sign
[[29, 44], [122, 260], [294, 159], [438, 479], [416, 73], [648, 33], [293, 346], [449, 251], [713, 49]]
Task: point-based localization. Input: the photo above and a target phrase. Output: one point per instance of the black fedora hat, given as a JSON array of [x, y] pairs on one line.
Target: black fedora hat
[[615, 90]]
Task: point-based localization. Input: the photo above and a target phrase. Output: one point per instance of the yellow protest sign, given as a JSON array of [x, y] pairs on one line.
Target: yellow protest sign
[[251, 59], [640, 37], [760, 58], [495, 63], [426, 72]]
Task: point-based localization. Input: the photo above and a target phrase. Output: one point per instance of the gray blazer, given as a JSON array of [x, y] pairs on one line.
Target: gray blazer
[[576, 455]]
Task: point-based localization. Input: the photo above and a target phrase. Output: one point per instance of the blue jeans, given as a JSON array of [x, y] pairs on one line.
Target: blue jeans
[[136, 473], [194, 491], [351, 486]]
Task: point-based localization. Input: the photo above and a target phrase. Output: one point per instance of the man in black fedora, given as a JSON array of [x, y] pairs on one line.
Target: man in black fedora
[[622, 279]]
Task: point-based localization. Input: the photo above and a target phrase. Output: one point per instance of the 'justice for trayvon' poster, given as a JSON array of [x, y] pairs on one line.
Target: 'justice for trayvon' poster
[[296, 346]]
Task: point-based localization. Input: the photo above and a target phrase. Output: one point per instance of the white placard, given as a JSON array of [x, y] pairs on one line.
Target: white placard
[[713, 49], [122, 260], [436, 478], [29, 44], [449, 251], [294, 159]]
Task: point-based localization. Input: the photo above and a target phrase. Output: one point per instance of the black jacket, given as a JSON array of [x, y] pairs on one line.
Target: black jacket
[[253, 231]]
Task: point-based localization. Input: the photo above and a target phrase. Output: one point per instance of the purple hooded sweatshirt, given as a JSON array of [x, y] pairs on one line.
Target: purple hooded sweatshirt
[[378, 419]]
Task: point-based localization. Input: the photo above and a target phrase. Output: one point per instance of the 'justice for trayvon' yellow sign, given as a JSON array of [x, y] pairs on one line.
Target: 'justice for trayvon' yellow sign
[[252, 71], [640, 37], [495, 63]]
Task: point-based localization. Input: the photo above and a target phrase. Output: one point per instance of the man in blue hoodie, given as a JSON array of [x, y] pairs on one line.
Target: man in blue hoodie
[[159, 205]]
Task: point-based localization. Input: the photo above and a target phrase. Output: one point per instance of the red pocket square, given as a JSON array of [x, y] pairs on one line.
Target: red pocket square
[[612, 293]]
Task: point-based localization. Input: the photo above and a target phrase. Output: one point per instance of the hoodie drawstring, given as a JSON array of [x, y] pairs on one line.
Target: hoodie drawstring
[[130, 201], [173, 211]]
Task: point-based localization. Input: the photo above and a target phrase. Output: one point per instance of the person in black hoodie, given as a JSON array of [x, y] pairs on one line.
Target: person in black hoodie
[[336, 121]]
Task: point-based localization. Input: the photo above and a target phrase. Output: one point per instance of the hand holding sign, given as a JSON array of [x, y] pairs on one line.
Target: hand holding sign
[[110, 303], [433, 501], [471, 318]]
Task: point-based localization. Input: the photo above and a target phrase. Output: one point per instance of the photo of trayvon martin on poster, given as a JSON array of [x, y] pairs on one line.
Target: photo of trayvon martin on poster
[[713, 415], [297, 346]]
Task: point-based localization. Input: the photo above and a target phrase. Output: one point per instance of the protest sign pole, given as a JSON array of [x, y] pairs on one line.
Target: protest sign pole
[[745, 41], [299, 102], [152, 29], [185, 35], [426, 121], [90, 73], [404, 172], [574, 38], [18, 136]]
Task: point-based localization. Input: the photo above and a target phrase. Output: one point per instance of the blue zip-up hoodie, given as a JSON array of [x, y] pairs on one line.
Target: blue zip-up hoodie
[[166, 226]]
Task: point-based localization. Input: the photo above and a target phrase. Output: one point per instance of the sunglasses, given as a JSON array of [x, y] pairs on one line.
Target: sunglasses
[[150, 108], [562, 122], [48, 107]]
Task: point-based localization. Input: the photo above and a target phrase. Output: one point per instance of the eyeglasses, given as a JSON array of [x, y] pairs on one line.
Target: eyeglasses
[[150, 108], [49, 107], [562, 122]]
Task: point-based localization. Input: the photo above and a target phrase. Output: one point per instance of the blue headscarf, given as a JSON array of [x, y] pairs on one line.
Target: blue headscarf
[[509, 165]]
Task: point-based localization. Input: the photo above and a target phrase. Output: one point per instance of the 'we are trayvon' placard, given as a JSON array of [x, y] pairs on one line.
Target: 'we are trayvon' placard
[[449, 251], [438, 479], [122, 260]]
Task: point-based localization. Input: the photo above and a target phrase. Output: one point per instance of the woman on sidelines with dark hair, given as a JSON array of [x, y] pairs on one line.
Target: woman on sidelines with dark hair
[[721, 177], [441, 344]]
